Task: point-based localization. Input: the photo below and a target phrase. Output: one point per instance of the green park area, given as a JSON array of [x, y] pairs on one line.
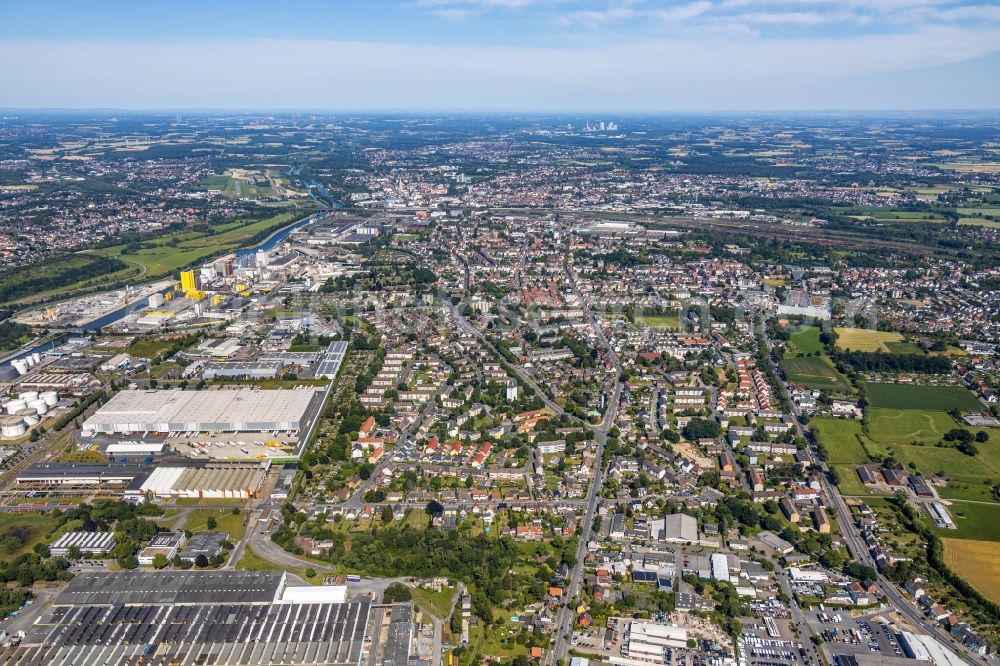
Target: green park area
[[216, 520], [173, 251]]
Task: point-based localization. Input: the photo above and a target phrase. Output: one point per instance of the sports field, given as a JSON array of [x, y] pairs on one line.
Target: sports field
[[908, 396], [659, 321], [978, 562], [816, 372], [806, 340], [841, 439], [863, 339]]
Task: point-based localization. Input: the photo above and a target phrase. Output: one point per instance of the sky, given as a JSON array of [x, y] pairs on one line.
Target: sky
[[545, 55]]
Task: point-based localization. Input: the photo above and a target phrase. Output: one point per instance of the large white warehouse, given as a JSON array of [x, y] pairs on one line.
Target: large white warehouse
[[173, 412]]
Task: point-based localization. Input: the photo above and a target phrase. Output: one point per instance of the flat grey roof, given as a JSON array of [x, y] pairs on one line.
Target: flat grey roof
[[234, 634], [99, 588]]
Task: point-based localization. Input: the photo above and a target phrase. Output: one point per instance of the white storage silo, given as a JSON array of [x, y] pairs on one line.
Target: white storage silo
[[16, 405], [156, 300], [12, 426], [39, 406], [28, 396], [30, 416], [36, 357], [20, 365], [51, 398]]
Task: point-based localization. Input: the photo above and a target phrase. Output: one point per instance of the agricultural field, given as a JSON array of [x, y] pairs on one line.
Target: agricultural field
[[909, 396], [659, 321], [978, 562], [863, 339], [815, 372], [841, 438]]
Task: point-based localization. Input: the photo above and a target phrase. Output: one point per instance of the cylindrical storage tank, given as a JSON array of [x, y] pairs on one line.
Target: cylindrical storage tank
[[28, 396], [12, 426], [20, 365], [51, 398], [16, 405], [36, 357], [39, 406], [30, 416], [156, 300], [30, 361]]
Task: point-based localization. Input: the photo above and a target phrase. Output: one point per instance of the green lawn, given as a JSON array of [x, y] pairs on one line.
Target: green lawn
[[436, 603], [980, 522], [226, 521], [841, 438], [949, 462], [807, 340], [908, 396], [20, 532], [815, 372], [850, 482]]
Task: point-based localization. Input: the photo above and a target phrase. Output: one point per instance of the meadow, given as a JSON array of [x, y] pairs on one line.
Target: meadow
[[178, 249], [841, 438], [906, 426]]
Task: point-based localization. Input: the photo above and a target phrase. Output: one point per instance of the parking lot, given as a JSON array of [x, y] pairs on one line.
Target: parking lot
[[844, 634]]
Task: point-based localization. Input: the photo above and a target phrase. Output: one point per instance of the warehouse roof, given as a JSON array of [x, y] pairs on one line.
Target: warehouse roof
[[98, 588], [195, 408]]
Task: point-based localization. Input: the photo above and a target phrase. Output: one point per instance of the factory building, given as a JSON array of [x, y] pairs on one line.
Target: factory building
[[175, 412], [241, 370], [211, 618], [88, 543], [221, 481]]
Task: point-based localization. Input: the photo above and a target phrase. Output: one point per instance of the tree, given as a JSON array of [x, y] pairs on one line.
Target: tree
[[310, 573], [211, 523], [395, 593], [982, 436], [699, 428], [434, 509], [160, 561], [201, 561]]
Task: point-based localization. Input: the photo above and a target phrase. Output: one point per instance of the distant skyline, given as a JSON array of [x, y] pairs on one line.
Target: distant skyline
[[546, 55]]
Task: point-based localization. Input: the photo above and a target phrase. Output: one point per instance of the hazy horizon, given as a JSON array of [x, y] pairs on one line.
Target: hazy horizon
[[538, 55]]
